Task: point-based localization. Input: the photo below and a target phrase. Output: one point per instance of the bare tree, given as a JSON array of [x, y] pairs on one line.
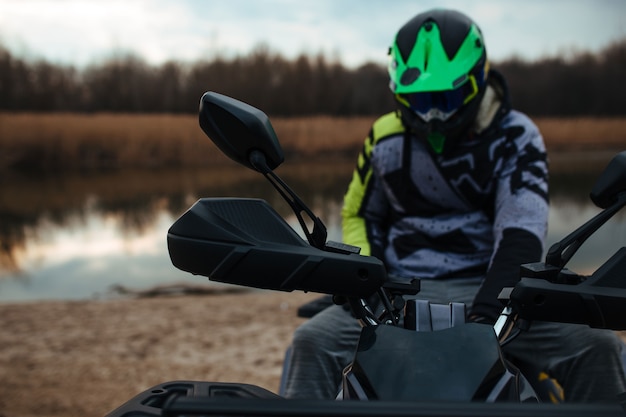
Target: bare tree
[[584, 84]]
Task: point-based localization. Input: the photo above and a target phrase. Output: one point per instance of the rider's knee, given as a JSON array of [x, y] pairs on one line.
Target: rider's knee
[[308, 335], [605, 342]]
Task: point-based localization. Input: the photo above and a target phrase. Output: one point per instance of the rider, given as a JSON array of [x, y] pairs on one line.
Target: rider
[[452, 188]]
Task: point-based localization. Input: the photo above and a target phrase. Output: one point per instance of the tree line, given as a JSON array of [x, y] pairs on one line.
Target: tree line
[[583, 84]]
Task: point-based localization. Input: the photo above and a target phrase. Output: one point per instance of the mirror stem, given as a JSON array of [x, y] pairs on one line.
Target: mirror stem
[[561, 252], [316, 238]]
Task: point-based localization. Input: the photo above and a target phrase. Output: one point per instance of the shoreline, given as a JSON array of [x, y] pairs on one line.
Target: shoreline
[[86, 358]]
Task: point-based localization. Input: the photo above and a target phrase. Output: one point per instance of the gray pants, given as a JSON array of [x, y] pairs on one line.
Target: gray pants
[[586, 362]]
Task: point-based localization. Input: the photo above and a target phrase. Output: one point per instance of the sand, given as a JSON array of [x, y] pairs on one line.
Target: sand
[[85, 358]]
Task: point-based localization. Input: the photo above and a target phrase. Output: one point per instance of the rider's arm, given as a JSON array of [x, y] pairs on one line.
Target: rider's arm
[[520, 222], [365, 209]]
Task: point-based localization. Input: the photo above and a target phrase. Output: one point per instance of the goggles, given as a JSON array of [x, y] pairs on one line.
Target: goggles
[[440, 104]]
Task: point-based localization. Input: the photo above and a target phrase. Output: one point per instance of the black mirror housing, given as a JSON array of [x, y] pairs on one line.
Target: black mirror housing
[[223, 118], [611, 182]]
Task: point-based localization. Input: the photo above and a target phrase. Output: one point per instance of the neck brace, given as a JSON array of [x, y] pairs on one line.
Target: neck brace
[[488, 108]]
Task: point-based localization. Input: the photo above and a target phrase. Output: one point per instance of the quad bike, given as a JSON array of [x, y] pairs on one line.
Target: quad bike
[[413, 357]]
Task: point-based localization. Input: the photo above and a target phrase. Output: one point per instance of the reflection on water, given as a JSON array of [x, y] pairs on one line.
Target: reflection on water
[[74, 238]]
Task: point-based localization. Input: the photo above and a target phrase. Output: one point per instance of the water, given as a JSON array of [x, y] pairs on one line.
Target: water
[[77, 237]]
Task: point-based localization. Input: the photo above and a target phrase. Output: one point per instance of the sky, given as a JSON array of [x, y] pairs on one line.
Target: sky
[[83, 32]]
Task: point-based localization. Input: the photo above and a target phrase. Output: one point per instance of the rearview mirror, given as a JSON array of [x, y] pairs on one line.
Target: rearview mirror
[[245, 134], [239, 129], [611, 182]]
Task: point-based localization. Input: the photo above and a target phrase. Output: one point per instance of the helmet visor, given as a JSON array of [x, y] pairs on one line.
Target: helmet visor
[[440, 105]]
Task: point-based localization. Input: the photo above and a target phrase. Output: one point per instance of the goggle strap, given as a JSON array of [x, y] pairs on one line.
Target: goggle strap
[[472, 80], [403, 100]]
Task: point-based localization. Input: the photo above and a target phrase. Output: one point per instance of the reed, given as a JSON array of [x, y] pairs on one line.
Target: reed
[[67, 141], [583, 133]]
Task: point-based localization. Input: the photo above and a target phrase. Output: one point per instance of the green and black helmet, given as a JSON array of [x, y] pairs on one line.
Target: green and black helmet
[[438, 72]]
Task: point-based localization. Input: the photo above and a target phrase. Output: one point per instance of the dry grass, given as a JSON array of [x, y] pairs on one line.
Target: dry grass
[[98, 140], [583, 133], [70, 141], [48, 142]]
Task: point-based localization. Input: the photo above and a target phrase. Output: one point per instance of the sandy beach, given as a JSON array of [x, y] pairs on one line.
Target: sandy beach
[[85, 358]]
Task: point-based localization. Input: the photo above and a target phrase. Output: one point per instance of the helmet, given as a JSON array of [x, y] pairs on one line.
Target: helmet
[[438, 72]]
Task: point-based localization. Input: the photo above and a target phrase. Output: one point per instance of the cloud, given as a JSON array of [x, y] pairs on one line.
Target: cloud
[[80, 32]]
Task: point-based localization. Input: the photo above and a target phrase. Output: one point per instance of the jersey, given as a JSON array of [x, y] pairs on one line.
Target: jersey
[[433, 216]]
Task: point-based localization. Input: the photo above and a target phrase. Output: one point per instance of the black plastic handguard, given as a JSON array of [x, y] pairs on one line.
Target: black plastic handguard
[[246, 242], [597, 300]]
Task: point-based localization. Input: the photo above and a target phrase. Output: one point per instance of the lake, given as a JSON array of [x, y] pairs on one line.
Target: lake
[[75, 237]]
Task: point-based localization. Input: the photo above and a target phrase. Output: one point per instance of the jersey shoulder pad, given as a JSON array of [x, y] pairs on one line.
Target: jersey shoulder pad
[[387, 125]]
